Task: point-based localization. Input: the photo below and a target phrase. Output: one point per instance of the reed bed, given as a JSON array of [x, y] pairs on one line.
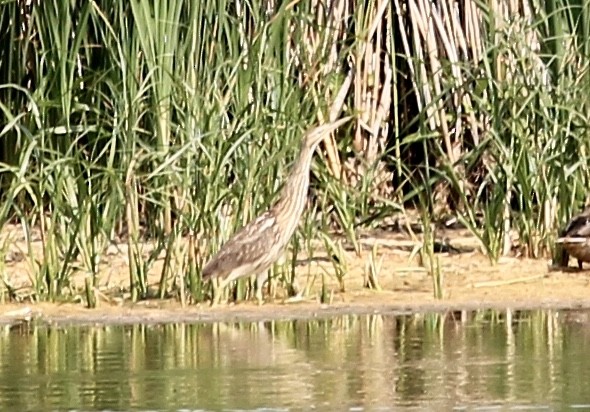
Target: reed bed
[[166, 126]]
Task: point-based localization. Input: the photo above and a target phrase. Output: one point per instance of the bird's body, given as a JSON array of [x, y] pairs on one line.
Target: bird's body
[[575, 238], [256, 246]]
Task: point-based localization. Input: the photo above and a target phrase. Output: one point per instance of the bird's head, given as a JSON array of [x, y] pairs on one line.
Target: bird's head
[[315, 135]]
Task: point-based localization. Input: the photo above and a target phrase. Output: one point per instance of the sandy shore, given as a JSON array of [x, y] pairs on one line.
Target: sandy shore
[[470, 282], [69, 314]]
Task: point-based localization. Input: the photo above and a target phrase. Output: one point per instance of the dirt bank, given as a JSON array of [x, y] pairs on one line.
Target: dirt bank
[[469, 282]]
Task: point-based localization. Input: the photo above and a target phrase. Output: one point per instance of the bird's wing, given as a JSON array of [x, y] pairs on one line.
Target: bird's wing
[[249, 244], [579, 226]]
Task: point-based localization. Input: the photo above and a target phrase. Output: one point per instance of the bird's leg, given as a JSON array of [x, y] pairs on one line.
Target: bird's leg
[[215, 291], [565, 257], [580, 265], [218, 288], [260, 278]]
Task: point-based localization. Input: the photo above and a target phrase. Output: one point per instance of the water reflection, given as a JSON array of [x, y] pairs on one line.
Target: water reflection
[[422, 361]]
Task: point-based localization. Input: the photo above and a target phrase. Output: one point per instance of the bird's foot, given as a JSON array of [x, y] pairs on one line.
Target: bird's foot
[[295, 299], [298, 297], [259, 299], [215, 303], [217, 296], [220, 302]]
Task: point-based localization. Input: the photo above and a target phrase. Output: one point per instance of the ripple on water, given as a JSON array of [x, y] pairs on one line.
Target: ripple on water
[[356, 363]]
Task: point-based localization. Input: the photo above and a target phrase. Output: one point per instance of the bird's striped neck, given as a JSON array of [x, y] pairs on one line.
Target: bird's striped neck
[[293, 195]]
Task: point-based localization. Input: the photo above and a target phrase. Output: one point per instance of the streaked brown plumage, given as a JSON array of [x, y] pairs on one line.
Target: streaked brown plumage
[[575, 238], [256, 246]]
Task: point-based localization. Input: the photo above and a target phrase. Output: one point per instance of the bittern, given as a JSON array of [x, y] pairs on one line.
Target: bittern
[[257, 245], [575, 238]]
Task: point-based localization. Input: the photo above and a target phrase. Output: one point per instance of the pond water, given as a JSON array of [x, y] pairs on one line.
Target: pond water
[[486, 360]]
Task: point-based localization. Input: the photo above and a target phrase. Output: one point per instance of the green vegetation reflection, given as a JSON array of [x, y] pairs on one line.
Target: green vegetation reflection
[[478, 358]]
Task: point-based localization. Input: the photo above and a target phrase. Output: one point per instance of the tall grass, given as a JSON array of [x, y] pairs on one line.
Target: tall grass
[[503, 110], [172, 123]]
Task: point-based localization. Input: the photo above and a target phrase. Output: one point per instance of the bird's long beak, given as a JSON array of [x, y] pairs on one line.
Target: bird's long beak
[[336, 124], [318, 134]]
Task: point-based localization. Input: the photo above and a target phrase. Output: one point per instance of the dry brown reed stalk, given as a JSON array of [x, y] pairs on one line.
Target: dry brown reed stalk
[[373, 77], [441, 43], [318, 57], [435, 34], [437, 41], [373, 97]]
